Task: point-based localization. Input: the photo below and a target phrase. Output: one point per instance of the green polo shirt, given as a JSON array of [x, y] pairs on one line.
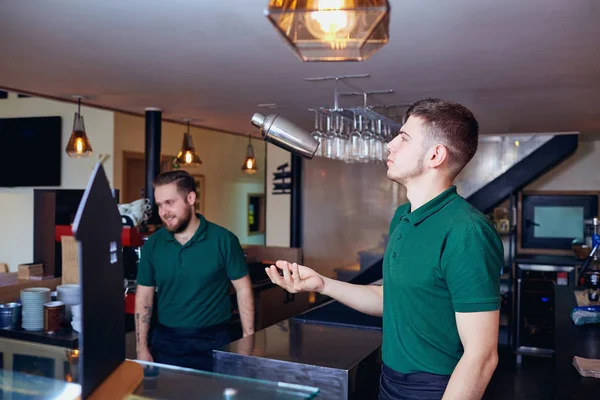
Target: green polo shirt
[[192, 280], [444, 257]]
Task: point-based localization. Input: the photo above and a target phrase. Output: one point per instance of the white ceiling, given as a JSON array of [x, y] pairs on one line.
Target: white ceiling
[[521, 66]]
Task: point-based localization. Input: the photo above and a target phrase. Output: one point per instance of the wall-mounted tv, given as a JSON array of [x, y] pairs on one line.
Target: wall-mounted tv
[[30, 151]]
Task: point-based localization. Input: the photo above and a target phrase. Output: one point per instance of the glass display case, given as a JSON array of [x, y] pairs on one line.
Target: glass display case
[[33, 371], [169, 382]]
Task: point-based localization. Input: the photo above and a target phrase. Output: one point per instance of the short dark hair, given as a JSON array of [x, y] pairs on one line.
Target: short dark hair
[[184, 181], [453, 125]]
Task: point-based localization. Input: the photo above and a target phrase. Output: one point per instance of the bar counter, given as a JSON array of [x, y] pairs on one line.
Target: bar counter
[[342, 362], [292, 350], [556, 377], [328, 352], [572, 340]]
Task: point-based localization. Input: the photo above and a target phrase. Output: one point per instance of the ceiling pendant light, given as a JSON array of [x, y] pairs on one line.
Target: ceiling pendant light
[[332, 30], [79, 145], [188, 157], [249, 166]]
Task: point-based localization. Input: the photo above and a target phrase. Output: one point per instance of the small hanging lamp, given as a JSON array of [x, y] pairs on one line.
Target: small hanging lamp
[[332, 30], [188, 156], [249, 166], [79, 145]]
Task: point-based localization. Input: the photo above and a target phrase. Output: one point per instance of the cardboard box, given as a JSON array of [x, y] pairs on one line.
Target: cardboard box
[[28, 270]]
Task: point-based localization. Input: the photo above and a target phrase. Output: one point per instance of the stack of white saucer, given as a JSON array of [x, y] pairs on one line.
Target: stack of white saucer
[[33, 300]]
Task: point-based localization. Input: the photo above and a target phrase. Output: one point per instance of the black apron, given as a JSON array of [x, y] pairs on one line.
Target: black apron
[[189, 347], [416, 386]]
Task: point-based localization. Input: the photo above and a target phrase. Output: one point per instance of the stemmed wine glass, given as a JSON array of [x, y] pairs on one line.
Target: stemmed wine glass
[[330, 141], [317, 134], [355, 145]]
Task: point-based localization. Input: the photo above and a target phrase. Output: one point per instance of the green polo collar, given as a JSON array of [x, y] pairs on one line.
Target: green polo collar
[[432, 206], [199, 235]]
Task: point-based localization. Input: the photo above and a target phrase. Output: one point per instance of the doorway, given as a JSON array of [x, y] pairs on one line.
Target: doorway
[[134, 174]]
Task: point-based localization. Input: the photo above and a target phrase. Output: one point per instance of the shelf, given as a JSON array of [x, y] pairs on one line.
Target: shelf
[[130, 237]]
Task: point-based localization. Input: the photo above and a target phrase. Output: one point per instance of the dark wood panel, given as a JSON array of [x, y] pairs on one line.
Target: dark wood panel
[[44, 245], [97, 228]]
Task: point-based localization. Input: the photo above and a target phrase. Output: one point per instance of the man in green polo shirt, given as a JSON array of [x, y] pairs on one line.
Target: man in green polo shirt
[[189, 263], [440, 297]]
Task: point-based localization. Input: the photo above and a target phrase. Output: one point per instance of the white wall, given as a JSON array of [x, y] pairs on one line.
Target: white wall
[[222, 156], [578, 172], [278, 206], [347, 209], [16, 204], [237, 194]]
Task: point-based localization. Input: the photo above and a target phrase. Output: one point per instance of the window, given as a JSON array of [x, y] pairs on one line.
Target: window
[[256, 214]]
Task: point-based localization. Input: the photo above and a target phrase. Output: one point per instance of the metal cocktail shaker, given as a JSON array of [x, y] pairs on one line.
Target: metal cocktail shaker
[[285, 134]]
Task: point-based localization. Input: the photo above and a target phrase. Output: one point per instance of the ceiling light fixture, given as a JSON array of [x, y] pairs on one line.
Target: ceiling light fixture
[[249, 166], [79, 145], [188, 156], [332, 30]]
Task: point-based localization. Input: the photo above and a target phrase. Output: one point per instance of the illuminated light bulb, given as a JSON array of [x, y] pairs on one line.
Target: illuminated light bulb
[[332, 22], [249, 165], [79, 145]]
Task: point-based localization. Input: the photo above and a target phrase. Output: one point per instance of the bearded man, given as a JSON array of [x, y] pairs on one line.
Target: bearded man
[[189, 264]]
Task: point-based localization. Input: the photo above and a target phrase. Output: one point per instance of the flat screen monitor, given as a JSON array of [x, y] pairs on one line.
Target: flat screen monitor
[[555, 221], [30, 151]]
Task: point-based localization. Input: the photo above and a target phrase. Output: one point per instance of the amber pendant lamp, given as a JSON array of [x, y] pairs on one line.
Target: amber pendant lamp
[[188, 156], [249, 166], [79, 145]]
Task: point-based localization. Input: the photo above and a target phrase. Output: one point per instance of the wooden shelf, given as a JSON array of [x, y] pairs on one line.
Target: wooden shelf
[[121, 383], [130, 237]]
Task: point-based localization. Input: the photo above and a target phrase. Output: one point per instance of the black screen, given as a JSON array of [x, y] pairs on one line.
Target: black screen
[[30, 151], [559, 213]]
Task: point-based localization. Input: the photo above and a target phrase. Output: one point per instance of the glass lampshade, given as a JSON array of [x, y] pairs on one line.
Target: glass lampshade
[[332, 30], [188, 156], [78, 145], [249, 166]]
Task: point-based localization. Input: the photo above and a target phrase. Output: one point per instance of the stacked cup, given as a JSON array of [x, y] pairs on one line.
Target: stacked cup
[[76, 322], [33, 300], [70, 294]]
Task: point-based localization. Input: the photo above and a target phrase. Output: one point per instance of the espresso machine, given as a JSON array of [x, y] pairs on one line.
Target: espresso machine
[[589, 275]]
